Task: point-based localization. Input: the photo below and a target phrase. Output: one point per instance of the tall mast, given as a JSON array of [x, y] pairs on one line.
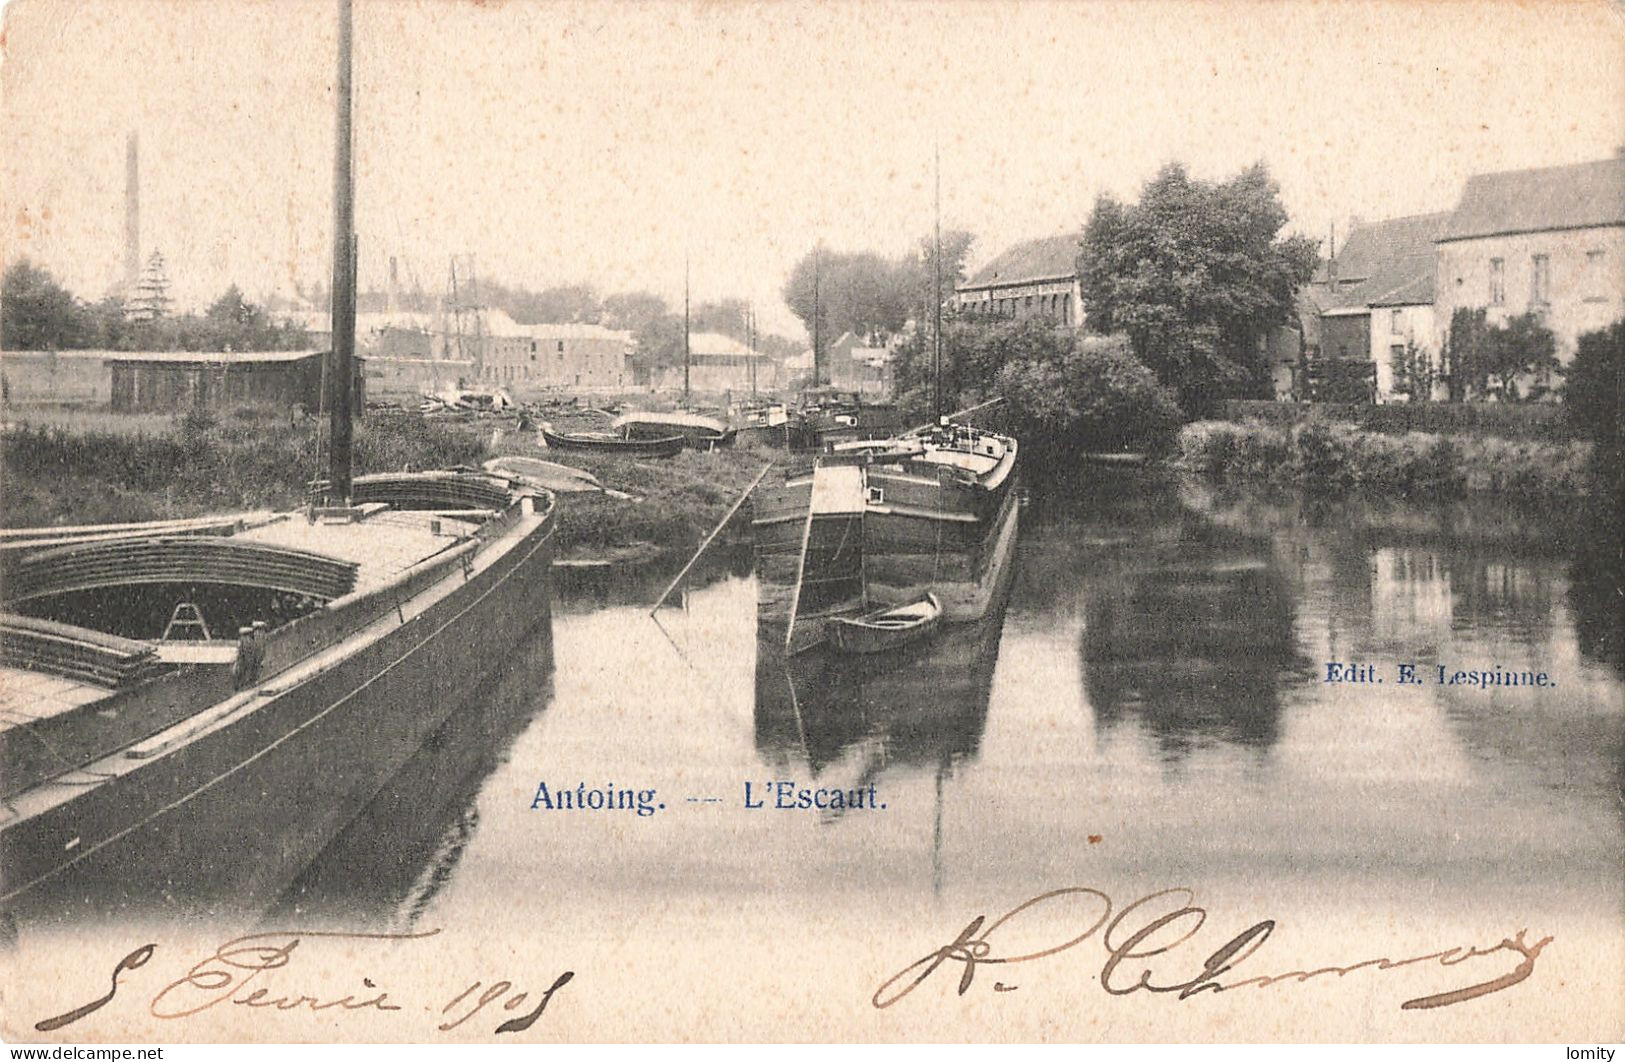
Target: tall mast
[[936, 296], [341, 371], [750, 344], [685, 331], [818, 370]]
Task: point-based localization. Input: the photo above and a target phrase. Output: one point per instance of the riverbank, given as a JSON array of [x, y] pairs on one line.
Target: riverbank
[[90, 466], [676, 501], [1333, 457]]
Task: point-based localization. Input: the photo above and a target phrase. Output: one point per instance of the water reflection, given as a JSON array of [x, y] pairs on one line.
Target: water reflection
[[389, 863], [1468, 584], [921, 707], [1192, 641], [1149, 625]]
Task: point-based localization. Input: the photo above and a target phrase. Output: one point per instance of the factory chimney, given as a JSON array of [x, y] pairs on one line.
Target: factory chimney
[[132, 214]]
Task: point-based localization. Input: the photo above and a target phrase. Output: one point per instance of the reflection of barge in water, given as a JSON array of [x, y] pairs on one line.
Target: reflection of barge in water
[[921, 706], [212, 780]]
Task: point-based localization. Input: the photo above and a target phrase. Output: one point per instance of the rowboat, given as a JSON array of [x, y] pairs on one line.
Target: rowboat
[[697, 431], [886, 628], [609, 443], [1115, 460]]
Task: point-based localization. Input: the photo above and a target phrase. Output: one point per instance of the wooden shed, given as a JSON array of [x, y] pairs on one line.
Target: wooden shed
[[179, 380]]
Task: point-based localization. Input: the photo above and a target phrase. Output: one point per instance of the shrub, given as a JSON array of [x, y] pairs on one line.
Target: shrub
[[1333, 457], [1596, 379], [1091, 395]]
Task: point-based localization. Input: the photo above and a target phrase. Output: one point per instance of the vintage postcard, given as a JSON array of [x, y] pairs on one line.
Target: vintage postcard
[[528, 522]]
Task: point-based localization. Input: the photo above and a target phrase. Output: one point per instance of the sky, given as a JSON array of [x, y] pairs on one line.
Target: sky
[[608, 143]]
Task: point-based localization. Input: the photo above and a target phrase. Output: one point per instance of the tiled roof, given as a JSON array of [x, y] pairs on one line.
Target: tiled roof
[[1582, 195], [1042, 259], [1387, 263]]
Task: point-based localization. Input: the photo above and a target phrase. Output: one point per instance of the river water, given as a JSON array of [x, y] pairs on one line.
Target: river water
[[1150, 710], [1154, 695]]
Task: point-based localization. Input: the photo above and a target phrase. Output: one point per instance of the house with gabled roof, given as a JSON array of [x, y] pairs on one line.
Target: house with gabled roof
[[1377, 298], [1548, 241], [1035, 278]]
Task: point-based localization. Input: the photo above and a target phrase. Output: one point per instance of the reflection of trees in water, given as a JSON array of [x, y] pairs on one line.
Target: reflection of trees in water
[[1597, 583], [386, 866], [1192, 639]]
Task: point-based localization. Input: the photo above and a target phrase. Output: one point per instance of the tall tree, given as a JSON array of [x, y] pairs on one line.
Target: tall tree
[[956, 246], [861, 293], [726, 316], [632, 310], [1195, 274], [37, 313]]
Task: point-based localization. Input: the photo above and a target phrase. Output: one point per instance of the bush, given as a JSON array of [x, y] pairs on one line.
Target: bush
[[1336, 457], [1595, 380], [1093, 396]]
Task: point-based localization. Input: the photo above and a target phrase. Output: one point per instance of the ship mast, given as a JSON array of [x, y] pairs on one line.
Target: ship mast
[[936, 297], [340, 372], [818, 369], [685, 332]]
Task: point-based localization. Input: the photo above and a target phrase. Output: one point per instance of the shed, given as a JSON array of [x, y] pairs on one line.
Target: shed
[[184, 379]]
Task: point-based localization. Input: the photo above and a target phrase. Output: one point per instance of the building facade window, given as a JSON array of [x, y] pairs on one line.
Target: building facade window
[[1396, 322], [1596, 276], [1540, 280], [1498, 282]]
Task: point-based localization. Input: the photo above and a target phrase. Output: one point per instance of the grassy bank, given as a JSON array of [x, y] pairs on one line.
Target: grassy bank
[[681, 498], [80, 467], [1337, 457], [84, 470]]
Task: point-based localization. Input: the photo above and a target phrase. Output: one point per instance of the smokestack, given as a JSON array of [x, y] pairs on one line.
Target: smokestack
[[394, 287], [132, 213]]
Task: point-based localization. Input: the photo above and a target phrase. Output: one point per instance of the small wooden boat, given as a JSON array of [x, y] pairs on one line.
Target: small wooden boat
[[1119, 460], [886, 628], [602, 442], [698, 431]]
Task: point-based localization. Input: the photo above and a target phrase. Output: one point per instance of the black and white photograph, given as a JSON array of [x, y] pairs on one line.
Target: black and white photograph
[[776, 522]]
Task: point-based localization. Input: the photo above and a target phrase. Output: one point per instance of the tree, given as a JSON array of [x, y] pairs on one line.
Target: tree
[[726, 317], [566, 304], [150, 301], [37, 313], [1522, 347], [1414, 373], [1195, 274], [861, 293], [659, 344], [1063, 391], [232, 308], [1096, 396], [956, 245], [1594, 385], [632, 310], [1481, 359]]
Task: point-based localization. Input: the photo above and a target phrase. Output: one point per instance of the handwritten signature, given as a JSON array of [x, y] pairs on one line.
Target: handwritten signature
[[224, 977], [1156, 925]]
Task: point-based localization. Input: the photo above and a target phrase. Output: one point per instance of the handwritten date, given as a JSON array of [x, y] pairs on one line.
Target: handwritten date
[[239, 972]]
